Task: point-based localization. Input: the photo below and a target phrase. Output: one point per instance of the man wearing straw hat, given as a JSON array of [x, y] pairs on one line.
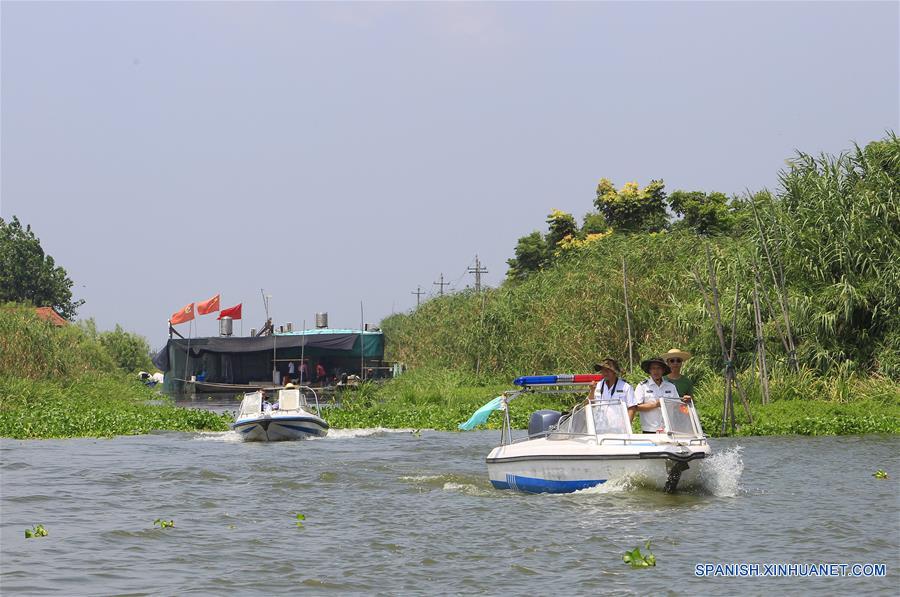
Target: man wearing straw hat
[[675, 358]]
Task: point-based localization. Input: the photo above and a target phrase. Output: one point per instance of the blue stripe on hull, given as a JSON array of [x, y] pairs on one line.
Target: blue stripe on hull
[[534, 485]]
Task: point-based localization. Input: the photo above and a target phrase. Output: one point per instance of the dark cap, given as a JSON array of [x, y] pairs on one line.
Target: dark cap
[[611, 364], [645, 365]]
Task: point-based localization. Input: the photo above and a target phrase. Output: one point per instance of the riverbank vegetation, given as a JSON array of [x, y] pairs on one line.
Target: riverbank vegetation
[[72, 381], [822, 253]]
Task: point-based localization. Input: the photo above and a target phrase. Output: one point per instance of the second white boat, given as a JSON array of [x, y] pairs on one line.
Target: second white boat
[[289, 417]]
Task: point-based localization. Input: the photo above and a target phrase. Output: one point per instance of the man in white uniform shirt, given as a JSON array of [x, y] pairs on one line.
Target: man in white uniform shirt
[[612, 387], [651, 392]]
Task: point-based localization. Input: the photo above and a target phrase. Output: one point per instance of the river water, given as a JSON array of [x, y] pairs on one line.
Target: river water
[[400, 513]]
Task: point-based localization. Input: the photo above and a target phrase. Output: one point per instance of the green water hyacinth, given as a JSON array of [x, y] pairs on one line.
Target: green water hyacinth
[[880, 474], [636, 559], [36, 531], [300, 519], [164, 524]]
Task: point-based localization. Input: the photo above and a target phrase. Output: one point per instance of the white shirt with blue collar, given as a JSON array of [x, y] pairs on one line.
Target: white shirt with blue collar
[[648, 391]]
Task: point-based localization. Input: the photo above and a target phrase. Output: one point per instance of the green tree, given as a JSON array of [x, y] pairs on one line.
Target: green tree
[[28, 275], [560, 225], [593, 223], [704, 213], [531, 254], [631, 208], [131, 352]]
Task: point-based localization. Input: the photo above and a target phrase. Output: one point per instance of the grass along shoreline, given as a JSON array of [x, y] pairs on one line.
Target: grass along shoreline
[[93, 405]]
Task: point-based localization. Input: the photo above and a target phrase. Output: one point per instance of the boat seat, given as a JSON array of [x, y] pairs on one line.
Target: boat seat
[[289, 399]]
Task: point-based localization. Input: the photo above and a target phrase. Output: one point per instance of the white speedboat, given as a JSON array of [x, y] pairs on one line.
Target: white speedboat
[[289, 417], [594, 444]]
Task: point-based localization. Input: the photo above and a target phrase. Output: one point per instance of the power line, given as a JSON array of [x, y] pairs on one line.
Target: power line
[[441, 284], [477, 270], [418, 292]]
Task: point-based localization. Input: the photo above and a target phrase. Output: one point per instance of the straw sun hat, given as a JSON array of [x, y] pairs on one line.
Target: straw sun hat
[[676, 354]]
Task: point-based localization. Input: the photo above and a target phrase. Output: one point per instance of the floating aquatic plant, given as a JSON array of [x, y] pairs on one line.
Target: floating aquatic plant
[[880, 474], [640, 560], [164, 524], [300, 519], [36, 531]]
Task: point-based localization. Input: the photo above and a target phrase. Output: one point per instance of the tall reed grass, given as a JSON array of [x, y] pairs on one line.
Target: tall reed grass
[[70, 381]]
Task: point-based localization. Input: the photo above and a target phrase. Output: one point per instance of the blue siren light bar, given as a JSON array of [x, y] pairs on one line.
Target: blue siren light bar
[[549, 380]]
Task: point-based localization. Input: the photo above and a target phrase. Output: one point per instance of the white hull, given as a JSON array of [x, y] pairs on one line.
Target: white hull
[[565, 465], [274, 428], [289, 418]]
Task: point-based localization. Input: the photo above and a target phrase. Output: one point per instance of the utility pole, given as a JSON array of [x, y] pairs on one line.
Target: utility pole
[[477, 270], [441, 284], [418, 292]]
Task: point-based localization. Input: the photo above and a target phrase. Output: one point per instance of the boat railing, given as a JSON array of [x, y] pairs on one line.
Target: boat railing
[[315, 397]]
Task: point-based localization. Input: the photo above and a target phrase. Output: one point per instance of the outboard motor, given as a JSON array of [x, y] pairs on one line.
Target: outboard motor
[[541, 421]]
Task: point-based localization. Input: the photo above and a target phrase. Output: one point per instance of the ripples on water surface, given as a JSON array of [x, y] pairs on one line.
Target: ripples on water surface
[[390, 513]]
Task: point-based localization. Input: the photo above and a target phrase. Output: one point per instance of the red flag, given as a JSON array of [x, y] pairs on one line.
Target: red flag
[[182, 315], [209, 306], [232, 312]]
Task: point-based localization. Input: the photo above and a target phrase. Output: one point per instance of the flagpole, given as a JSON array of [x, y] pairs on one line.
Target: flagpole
[[303, 356], [362, 368], [187, 352]]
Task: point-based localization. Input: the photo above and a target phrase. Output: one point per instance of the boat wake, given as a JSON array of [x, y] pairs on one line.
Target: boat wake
[[218, 436], [351, 433], [456, 483], [611, 486]]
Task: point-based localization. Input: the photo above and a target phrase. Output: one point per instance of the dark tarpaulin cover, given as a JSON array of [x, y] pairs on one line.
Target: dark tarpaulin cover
[[257, 344]]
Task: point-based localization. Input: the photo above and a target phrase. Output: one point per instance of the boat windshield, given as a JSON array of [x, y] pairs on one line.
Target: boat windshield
[[610, 417], [251, 405], [681, 418]]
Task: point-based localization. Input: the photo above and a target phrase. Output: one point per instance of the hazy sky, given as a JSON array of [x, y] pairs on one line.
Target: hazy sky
[[333, 153]]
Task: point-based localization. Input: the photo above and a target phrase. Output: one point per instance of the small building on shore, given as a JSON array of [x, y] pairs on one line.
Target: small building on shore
[[226, 363]]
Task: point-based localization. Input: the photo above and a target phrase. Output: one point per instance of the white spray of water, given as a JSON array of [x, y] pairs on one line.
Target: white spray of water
[[470, 489], [351, 433], [422, 478], [611, 486], [720, 474], [219, 436]]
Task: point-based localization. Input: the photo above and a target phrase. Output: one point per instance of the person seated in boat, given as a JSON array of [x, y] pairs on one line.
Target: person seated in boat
[[320, 374], [268, 407], [675, 358], [612, 388], [651, 392]]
